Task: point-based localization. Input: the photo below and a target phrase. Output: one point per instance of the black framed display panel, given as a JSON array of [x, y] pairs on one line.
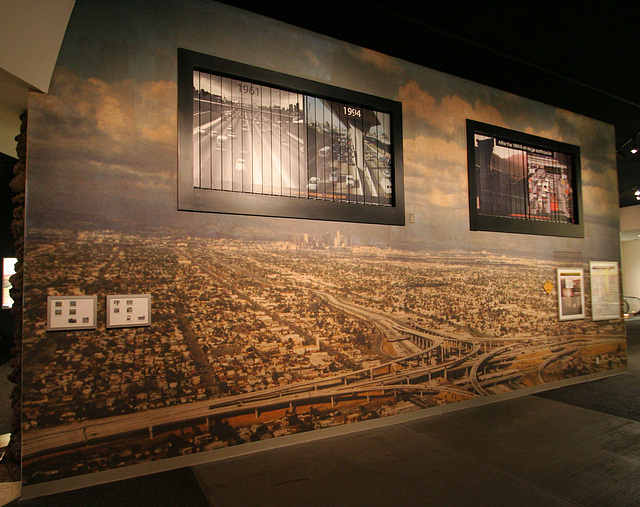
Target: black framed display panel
[[252, 141], [523, 183]]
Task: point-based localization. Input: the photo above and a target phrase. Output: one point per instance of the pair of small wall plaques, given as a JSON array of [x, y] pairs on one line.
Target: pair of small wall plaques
[[67, 313]]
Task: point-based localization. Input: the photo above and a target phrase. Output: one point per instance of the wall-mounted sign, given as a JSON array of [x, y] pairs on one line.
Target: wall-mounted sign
[[257, 142], [548, 287], [522, 183], [605, 290]]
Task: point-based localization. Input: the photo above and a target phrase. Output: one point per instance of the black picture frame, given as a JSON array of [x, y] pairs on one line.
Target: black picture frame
[[191, 197], [534, 190]]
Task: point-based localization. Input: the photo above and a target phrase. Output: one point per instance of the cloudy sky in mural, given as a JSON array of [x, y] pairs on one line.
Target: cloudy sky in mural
[[107, 147]]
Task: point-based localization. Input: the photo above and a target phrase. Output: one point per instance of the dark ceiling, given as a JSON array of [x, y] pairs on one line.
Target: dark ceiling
[[579, 56]]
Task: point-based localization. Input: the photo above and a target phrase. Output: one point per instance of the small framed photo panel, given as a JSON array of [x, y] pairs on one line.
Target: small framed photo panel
[[69, 313], [128, 310], [571, 293]]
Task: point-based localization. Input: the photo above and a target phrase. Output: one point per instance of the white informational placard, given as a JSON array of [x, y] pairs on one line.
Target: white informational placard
[[67, 313], [129, 310], [605, 290], [570, 293]]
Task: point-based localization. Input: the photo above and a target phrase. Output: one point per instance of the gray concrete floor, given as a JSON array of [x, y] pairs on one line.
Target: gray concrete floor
[[527, 451], [539, 450]]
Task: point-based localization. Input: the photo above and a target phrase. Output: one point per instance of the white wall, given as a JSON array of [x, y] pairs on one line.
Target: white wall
[[630, 250], [631, 268], [30, 38], [13, 100], [630, 221], [31, 33]]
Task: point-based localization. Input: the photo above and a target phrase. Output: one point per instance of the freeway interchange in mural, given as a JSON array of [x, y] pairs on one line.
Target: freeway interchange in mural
[[253, 340]]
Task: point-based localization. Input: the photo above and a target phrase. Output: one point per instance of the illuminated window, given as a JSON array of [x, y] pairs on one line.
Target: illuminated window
[[8, 269]]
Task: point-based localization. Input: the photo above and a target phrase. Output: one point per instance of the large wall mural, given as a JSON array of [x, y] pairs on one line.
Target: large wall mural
[[266, 327]]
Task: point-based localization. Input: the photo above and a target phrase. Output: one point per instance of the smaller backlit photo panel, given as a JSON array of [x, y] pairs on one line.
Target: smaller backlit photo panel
[[523, 183], [254, 138]]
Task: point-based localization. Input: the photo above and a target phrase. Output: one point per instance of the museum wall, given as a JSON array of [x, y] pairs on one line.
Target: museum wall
[[262, 328]]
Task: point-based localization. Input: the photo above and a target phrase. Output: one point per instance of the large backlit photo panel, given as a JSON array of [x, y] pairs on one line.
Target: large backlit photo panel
[[248, 147]]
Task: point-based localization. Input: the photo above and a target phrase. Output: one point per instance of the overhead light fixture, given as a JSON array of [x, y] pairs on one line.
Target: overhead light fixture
[[631, 145]]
